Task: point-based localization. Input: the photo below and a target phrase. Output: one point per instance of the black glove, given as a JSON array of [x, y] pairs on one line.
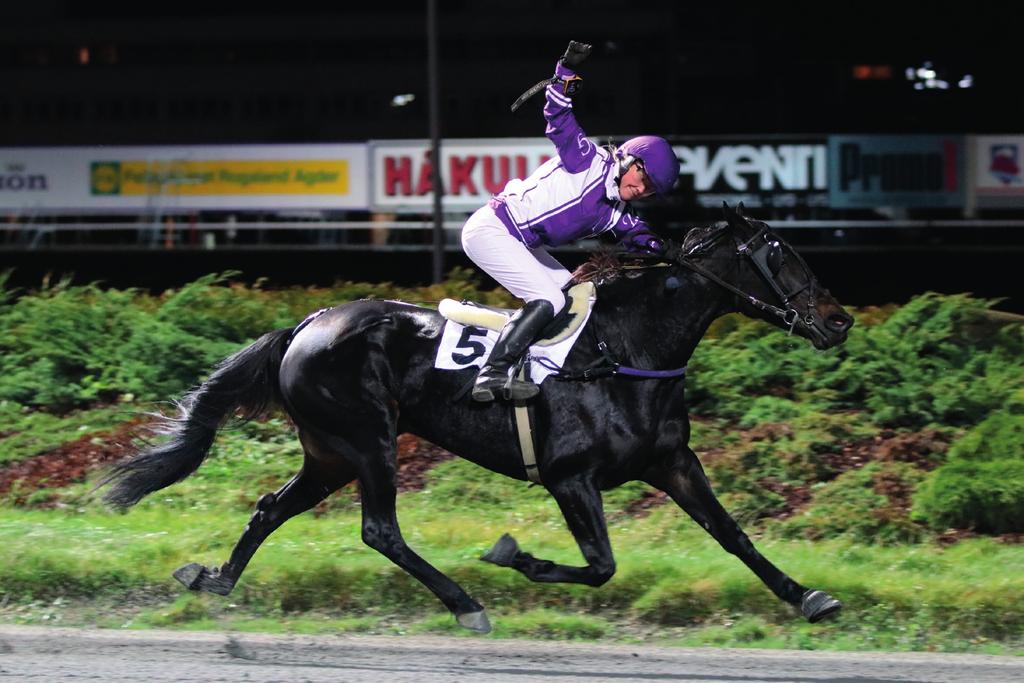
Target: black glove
[[575, 54]]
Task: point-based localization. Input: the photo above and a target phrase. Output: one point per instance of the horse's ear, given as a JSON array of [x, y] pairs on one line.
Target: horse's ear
[[731, 216], [740, 209]]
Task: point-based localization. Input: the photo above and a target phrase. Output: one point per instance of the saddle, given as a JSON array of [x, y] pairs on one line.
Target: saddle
[[565, 324]]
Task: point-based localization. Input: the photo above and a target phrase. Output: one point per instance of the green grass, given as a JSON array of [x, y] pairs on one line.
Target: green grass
[[674, 583], [776, 420]]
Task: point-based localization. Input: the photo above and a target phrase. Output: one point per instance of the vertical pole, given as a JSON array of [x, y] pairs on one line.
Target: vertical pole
[[433, 78]]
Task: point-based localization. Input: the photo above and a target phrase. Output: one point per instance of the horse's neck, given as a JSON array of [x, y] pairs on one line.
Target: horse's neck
[[659, 329]]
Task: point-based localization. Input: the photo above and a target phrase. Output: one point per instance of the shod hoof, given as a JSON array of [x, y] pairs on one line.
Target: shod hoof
[[475, 621], [196, 577], [818, 605], [503, 552]]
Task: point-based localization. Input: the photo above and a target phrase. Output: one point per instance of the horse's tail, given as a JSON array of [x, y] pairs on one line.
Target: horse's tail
[[246, 382]]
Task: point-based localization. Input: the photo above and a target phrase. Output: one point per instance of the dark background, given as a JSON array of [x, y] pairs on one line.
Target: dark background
[[194, 73]]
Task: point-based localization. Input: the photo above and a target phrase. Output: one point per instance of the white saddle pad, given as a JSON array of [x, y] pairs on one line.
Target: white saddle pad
[[463, 346]]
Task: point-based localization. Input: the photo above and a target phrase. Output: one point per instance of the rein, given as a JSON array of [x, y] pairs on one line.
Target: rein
[[790, 316], [608, 365]]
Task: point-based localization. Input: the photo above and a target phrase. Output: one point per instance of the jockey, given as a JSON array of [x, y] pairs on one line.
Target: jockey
[[581, 192]]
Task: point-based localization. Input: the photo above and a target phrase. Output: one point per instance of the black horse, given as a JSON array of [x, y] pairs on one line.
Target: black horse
[[362, 373]]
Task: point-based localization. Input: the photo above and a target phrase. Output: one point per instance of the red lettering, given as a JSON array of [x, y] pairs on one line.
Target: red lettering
[[491, 184], [425, 184], [460, 174], [397, 172]]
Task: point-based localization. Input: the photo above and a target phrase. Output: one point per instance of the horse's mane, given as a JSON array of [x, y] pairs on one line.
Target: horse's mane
[[606, 265], [602, 266]]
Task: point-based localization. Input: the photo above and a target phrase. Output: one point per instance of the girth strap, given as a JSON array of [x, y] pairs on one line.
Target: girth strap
[[522, 416]]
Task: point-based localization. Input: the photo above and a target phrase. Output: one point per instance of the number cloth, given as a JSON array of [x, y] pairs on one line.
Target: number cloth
[[463, 346]]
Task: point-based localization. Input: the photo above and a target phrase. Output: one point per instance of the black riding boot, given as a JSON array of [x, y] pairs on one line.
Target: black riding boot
[[515, 338]]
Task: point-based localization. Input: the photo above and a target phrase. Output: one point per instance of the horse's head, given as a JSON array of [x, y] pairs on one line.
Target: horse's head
[[768, 277]]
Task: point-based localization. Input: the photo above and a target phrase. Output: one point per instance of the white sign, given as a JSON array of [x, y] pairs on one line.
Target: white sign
[[472, 171], [183, 178], [753, 168]]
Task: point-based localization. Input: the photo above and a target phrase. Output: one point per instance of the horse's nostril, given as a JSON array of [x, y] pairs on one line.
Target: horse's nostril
[[838, 322]]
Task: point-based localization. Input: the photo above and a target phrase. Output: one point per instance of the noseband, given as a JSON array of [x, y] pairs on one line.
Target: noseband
[[761, 257]]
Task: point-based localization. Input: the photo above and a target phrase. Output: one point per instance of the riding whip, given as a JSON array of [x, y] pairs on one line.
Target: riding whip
[[574, 55]]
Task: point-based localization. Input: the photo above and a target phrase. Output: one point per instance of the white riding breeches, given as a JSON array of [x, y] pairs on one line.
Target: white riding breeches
[[529, 274]]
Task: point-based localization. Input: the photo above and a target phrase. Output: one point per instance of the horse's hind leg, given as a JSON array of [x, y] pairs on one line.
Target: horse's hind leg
[[375, 463], [317, 480], [684, 480], [580, 502]]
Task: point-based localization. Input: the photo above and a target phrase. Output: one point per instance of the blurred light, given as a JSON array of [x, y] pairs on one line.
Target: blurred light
[[967, 81], [926, 72], [910, 73], [872, 72], [402, 100], [83, 55]]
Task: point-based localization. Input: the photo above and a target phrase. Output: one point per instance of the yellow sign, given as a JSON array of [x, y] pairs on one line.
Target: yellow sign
[[219, 178]]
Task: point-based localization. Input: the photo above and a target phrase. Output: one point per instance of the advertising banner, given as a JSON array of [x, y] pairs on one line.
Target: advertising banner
[[998, 174], [183, 178], [893, 170], [760, 172], [471, 171]]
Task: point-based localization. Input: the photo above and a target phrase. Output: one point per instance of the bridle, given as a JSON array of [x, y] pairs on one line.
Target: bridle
[[766, 258]]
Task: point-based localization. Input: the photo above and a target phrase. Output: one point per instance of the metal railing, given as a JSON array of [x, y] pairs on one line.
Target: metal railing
[[384, 235]]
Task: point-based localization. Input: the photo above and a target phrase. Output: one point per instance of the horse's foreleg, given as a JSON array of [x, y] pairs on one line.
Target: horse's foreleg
[[684, 480], [315, 482], [580, 502]]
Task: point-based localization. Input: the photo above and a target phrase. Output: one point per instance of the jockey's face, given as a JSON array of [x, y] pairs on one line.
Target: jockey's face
[[634, 184]]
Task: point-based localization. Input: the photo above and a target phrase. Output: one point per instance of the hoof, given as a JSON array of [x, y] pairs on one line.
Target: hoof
[[503, 552], [475, 621], [196, 577], [818, 605]]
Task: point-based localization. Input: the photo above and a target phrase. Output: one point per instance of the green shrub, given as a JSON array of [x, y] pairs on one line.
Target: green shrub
[[985, 496], [867, 504], [936, 359], [981, 486], [214, 309], [999, 436], [65, 346]]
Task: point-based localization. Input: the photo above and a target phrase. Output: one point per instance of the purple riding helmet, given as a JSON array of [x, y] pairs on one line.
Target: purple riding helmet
[[659, 161]]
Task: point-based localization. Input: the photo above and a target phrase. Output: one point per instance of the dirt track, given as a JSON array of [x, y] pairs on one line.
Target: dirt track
[[53, 654]]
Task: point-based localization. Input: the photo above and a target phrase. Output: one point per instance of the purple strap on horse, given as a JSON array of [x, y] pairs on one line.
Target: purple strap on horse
[[650, 374], [607, 365]]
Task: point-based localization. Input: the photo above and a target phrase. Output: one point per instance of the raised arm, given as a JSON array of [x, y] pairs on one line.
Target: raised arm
[[574, 149]]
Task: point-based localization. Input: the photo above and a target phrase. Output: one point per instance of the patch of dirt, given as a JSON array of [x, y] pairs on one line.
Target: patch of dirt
[[69, 463], [415, 458], [796, 497], [73, 461], [922, 449], [647, 501], [899, 493]]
